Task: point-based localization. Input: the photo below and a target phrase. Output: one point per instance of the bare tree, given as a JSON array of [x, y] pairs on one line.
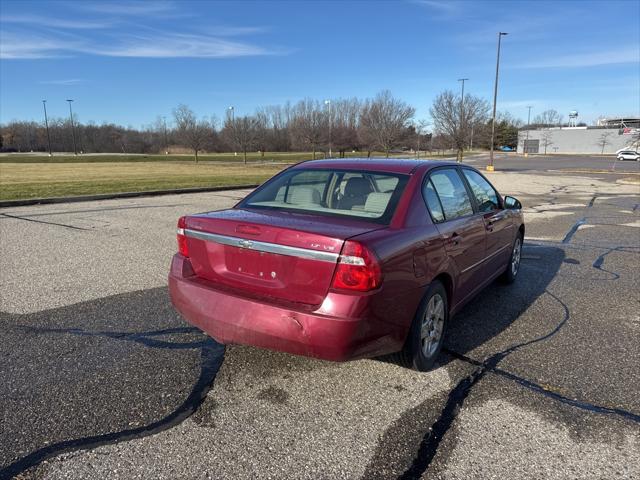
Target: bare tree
[[384, 121], [546, 139], [243, 133], [448, 119], [635, 140], [548, 118], [420, 129], [191, 131], [603, 141], [345, 117], [308, 124]]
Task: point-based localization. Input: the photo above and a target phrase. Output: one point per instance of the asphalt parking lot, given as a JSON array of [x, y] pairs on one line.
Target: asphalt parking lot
[[101, 378]]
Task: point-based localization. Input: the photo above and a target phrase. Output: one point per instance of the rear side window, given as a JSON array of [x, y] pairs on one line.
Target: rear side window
[[433, 202], [452, 193], [369, 196], [485, 194]]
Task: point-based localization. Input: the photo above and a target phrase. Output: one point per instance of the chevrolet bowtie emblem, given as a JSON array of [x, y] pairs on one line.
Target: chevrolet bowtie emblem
[[245, 243]]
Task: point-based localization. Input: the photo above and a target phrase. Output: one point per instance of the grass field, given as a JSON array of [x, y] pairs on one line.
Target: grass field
[[24, 176], [110, 157], [252, 157], [39, 180]]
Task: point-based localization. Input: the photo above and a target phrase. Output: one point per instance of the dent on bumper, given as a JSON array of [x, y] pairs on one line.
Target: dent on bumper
[[342, 328]]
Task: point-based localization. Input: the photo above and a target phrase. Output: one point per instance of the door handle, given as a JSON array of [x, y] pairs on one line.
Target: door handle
[[454, 239], [496, 216], [491, 220]]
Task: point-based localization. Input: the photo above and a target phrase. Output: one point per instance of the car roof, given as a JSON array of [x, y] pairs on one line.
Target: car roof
[[390, 165]]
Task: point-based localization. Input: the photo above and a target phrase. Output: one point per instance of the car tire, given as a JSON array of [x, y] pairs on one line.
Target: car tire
[[426, 335], [513, 267]]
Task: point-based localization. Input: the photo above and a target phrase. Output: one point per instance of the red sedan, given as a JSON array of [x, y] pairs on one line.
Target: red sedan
[[344, 259]]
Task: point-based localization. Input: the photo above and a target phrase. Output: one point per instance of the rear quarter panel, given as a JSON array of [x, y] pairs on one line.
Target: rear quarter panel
[[411, 253]]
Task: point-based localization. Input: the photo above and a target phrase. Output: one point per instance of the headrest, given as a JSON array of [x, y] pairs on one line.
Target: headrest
[[303, 195], [356, 187], [377, 202]]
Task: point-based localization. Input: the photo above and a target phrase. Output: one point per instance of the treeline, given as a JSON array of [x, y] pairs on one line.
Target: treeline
[[383, 123]]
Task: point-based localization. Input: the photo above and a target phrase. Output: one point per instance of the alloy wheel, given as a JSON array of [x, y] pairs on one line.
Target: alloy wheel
[[432, 325]]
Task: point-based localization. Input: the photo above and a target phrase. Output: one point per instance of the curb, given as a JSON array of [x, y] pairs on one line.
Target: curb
[[109, 196]]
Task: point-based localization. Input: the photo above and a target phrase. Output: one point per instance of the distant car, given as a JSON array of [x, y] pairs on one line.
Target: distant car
[[345, 259], [628, 155], [506, 148]]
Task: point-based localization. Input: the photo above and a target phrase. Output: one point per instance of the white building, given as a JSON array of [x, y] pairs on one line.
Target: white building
[[585, 140]]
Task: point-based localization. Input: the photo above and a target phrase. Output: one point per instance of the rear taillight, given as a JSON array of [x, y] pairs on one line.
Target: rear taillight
[[183, 249], [358, 269]]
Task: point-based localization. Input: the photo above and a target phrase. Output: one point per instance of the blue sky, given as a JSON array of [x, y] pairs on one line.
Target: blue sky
[[127, 62]]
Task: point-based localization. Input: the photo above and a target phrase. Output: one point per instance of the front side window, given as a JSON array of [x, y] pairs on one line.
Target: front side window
[[366, 195], [452, 193], [485, 194]]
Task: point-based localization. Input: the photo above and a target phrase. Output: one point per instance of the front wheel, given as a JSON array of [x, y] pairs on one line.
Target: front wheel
[[426, 335], [513, 267]]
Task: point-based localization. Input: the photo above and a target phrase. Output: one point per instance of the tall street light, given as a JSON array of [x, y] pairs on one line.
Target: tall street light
[[328, 104], [232, 112], [46, 124], [166, 142], [495, 98], [73, 131], [524, 147], [462, 111]]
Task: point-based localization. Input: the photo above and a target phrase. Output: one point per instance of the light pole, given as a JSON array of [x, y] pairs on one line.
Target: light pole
[[495, 98], [461, 114], [526, 142], [73, 131], [232, 113], [328, 103], [46, 124], [166, 142]]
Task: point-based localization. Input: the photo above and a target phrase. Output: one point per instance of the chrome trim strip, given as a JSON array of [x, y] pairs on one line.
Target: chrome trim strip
[[263, 246], [485, 259]]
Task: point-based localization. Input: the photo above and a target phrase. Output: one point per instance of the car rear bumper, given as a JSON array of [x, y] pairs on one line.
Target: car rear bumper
[[342, 328]]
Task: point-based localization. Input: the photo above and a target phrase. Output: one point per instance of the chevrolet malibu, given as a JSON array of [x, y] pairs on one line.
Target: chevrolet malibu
[[346, 259]]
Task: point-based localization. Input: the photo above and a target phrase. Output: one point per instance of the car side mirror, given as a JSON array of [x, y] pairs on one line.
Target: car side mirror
[[512, 203]]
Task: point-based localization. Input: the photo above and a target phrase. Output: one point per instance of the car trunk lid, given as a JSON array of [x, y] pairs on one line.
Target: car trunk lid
[[274, 254]]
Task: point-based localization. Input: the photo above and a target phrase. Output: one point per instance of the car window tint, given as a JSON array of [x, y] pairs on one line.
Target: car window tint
[[485, 194], [385, 183], [356, 194], [433, 203], [452, 193]]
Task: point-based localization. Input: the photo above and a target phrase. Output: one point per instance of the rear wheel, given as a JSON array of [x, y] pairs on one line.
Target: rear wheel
[[513, 267], [426, 336]]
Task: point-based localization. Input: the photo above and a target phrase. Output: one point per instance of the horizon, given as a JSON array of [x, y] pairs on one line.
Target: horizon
[[128, 63]]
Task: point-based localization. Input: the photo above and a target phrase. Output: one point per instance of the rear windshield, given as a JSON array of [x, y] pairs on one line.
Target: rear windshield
[[370, 196]]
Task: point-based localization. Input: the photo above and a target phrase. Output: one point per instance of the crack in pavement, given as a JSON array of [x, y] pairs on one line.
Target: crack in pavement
[[95, 210], [591, 407], [431, 441], [16, 217], [573, 230], [597, 264], [211, 354]]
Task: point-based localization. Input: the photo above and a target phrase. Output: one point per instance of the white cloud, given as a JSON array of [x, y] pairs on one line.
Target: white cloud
[[121, 29], [31, 46], [165, 45], [445, 8], [131, 8], [591, 59], [37, 20], [179, 45], [70, 81]]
